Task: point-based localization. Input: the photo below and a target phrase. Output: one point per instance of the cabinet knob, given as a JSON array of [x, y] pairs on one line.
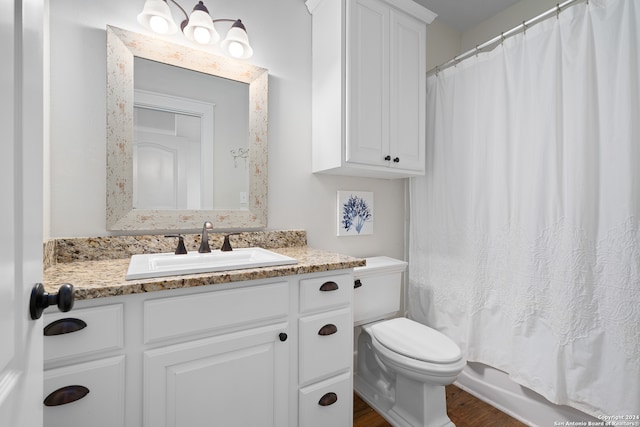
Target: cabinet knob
[[65, 395], [41, 299], [64, 326], [283, 337], [387, 158], [328, 329], [396, 160], [357, 283], [329, 286], [328, 399]]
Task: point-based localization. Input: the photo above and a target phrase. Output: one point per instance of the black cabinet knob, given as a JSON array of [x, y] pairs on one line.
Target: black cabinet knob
[[387, 158], [283, 337], [41, 299], [357, 283], [396, 160]]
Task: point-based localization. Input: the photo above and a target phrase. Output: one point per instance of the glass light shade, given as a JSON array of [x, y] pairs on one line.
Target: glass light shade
[[156, 17], [236, 43], [200, 28]]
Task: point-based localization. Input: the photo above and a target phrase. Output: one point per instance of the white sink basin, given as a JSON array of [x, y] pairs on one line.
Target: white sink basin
[[168, 264]]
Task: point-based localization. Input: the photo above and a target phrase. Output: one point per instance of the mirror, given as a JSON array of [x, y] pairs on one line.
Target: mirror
[[134, 109]]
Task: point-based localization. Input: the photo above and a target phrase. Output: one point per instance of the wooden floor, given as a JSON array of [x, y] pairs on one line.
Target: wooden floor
[[463, 409]]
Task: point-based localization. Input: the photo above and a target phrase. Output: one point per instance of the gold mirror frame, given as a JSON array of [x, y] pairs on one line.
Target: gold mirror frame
[[122, 47]]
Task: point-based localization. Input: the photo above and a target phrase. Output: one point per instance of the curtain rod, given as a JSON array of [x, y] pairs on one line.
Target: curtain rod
[[522, 27]]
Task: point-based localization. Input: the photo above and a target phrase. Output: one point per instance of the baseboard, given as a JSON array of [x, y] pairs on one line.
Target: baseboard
[[496, 388]]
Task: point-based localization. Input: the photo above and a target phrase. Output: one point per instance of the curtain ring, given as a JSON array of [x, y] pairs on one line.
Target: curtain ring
[[502, 38], [558, 10], [524, 27], [477, 51]]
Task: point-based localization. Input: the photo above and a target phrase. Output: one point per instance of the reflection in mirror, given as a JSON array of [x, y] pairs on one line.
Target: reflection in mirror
[[167, 154], [213, 113], [215, 125]]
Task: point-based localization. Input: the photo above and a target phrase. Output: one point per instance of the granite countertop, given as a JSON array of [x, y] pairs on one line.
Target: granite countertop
[[105, 278]]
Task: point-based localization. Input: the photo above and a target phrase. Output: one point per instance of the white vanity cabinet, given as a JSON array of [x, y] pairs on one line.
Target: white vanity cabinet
[[369, 87], [240, 354], [84, 373], [237, 376]]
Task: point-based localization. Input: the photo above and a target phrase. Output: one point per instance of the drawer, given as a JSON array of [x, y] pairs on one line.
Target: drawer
[[325, 292], [326, 345], [102, 406], [103, 331], [176, 316], [328, 403]]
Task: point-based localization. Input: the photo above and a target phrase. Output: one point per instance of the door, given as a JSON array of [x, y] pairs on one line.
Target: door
[[21, 171]]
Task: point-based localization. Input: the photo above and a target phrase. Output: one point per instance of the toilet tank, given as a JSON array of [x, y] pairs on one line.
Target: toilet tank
[[378, 289]]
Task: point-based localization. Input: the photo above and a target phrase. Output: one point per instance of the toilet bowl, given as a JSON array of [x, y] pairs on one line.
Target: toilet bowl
[[401, 366]]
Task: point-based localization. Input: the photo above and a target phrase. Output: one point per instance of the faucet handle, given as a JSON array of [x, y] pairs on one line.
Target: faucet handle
[[180, 250], [226, 245]]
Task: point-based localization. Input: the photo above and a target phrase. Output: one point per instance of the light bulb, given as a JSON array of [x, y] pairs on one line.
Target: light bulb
[[201, 35], [158, 24], [236, 49]]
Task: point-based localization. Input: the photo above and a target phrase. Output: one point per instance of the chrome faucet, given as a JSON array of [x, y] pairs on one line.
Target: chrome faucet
[[204, 238]]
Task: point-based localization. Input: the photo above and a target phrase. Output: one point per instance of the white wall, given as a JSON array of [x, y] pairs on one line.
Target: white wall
[[280, 32], [443, 43]]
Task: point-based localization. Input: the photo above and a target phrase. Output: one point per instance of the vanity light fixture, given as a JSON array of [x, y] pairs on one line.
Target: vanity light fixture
[[198, 27]]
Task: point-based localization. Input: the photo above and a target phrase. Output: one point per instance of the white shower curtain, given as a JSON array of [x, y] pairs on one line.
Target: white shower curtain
[[525, 231]]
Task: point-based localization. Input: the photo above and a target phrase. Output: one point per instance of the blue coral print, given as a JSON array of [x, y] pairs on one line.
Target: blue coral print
[[355, 213]]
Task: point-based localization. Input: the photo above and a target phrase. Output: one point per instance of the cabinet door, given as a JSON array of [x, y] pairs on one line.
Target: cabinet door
[[234, 380], [367, 121], [85, 394], [408, 92]]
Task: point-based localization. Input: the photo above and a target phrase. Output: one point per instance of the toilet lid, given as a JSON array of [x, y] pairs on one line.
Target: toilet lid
[[415, 340]]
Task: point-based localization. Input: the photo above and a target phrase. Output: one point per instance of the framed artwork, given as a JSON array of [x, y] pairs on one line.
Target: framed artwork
[[355, 213]]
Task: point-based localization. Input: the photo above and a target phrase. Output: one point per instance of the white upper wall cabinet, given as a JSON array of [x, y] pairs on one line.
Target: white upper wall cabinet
[[368, 87]]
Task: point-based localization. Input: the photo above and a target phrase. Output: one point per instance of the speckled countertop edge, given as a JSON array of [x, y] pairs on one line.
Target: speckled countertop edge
[[105, 278]]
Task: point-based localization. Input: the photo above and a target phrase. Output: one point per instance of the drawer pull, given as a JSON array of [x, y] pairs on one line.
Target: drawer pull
[[283, 337], [328, 329], [357, 284], [65, 395], [64, 326], [328, 399], [329, 286]]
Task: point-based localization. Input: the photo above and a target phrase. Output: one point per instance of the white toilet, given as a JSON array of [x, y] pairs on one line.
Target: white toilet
[[401, 366]]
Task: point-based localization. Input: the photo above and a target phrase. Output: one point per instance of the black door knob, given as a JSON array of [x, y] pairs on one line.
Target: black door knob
[[41, 299]]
